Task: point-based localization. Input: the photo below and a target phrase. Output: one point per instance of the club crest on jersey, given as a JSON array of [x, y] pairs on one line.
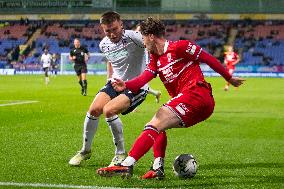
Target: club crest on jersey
[[124, 40], [169, 56], [158, 63], [191, 49]]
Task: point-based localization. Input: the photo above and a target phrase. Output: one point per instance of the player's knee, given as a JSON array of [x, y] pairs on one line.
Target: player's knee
[[155, 128], [108, 111], [95, 111]]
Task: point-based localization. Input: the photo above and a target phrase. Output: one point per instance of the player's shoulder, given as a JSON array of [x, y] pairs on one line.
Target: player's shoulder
[[132, 33], [177, 45], [184, 42], [104, 42]]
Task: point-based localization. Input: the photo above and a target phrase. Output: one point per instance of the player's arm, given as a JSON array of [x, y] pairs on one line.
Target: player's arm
[[136, 36], [109, 70], [216, 65], [134, 84], [72, 57], [86, 55], [238, 60], [41, 59], [225, 61], [194, 52]]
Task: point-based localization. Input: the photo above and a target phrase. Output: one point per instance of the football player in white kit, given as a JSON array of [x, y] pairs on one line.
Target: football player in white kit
[[46, 61], [124, 50]]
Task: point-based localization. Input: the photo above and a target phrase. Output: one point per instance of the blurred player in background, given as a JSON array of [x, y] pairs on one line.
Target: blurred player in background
[[46, 63], [231, 58], [54, 64], [177, 64], [80, 55], [124, 50], [151, 91]]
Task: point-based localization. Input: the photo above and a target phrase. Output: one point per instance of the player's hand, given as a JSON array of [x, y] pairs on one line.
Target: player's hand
[[118, 84], [73, 57], [236, 81]]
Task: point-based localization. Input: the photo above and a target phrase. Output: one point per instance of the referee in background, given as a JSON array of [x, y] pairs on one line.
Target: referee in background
[[80, 55]]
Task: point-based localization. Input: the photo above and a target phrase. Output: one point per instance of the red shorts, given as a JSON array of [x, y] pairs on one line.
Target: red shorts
[[193, 105]]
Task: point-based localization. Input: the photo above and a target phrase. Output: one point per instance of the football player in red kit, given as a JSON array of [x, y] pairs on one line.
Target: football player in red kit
[[231, 59], [177, 64]]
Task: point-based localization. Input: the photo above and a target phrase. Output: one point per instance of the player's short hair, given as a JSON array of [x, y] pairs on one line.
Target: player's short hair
[[152, 26], [109, 17]]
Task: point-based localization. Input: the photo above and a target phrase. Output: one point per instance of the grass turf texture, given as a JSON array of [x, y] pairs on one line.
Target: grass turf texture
[[240, 146]]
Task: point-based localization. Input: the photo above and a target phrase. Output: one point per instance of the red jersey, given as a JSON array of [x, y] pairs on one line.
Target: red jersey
[[178, 67], [231, 59]]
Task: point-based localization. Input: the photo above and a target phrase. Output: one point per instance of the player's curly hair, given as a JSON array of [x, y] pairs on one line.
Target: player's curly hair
[[109, 17], [152, 26]]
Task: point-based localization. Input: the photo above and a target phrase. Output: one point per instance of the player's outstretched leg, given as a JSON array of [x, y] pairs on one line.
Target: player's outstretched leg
[[141, 146], [159, 149], [90, 128]]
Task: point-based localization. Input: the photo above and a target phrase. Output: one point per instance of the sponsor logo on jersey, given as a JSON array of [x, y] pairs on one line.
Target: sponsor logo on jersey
[[168, 71], [116, 55]]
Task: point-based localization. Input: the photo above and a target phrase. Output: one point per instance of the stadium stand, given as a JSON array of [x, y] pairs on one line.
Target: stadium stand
[[258, 42]]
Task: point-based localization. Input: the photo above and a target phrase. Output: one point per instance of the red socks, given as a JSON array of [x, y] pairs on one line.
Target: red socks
[[144, 142], [159, 147]]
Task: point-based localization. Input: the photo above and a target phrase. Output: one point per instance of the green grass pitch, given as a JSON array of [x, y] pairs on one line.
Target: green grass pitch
[[240, 146]]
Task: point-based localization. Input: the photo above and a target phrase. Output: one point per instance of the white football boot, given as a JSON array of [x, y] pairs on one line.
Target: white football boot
[[117, 160], [79, 157]]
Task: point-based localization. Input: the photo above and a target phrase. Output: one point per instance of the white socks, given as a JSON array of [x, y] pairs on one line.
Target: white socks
[[158, 162], [115, 126], [90, 128], [129, 161]]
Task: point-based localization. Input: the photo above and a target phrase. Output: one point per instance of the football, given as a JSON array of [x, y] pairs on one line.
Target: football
[[185, 166]]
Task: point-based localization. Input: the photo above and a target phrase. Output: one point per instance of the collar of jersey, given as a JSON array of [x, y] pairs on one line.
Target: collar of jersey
[[166, 46]]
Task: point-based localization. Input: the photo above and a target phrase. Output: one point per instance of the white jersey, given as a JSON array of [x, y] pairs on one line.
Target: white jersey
[[46, 60], [127, 57]]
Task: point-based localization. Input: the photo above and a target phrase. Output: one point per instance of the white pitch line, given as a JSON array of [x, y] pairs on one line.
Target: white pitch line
[[16, 103], [43, 185]]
